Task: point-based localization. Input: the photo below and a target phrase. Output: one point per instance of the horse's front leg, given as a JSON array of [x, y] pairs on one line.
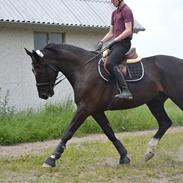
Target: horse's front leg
[[77, 120], [104, 124]]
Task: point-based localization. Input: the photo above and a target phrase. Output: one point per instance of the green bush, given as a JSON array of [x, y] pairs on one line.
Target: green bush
[[51, 121], [5, 109]]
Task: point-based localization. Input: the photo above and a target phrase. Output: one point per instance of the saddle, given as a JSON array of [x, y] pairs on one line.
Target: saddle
[[132, 69]]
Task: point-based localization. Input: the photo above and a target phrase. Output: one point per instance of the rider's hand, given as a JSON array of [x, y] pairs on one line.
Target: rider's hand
[[99, 46]]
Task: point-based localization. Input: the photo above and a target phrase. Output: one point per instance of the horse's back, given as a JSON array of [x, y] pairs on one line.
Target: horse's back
[[163, 60], [163, 66]]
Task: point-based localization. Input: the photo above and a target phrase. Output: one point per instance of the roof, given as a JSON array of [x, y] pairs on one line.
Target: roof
[[80, 13]]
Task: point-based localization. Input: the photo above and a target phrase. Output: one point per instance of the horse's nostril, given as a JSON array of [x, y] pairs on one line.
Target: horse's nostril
[[43, 96]]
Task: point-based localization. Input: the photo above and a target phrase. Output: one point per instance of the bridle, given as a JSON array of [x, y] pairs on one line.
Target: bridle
[[51, 84]]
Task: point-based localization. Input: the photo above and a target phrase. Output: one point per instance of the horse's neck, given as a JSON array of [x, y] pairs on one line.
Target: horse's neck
[[72, 62]]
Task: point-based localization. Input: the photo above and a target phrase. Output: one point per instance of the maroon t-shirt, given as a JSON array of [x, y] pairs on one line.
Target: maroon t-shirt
[[120, 16]]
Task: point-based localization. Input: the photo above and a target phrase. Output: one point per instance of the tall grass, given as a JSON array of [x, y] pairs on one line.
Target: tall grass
[[5, 109], [51, 121]]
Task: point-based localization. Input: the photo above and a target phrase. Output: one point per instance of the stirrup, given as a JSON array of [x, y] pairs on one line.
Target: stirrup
[[125, 94]]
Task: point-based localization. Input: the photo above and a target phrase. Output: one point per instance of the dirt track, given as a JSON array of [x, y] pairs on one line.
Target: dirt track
[[39, 147]]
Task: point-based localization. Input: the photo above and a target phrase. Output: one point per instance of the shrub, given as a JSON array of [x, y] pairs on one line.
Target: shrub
[[5, 109]]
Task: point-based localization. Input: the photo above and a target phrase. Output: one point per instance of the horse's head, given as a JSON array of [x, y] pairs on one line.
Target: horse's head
[[44, 72]]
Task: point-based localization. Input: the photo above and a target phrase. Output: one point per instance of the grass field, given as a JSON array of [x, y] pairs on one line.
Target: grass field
[[97, 162], [51, 121]]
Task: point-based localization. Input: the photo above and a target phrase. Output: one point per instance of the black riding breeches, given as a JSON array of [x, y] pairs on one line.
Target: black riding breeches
[[117, 54]]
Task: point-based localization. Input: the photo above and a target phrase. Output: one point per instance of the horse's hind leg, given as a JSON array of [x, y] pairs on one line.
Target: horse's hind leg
[[104, 124], [178, 101], [156, 106]]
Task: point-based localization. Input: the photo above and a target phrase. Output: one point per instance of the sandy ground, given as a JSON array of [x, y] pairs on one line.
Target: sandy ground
[[39, 147]]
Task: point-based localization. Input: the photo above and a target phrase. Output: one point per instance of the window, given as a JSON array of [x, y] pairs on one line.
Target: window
[[41, 39]]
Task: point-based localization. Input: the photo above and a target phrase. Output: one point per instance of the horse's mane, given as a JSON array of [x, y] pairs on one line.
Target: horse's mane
[[58, 47], [55, 49]]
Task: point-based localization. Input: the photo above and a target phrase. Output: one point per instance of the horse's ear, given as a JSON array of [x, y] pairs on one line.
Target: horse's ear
[[34, 53], [38, 55], [28, 52]]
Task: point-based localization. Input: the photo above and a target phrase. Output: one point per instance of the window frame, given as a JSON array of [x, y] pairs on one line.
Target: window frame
[[62, 34]]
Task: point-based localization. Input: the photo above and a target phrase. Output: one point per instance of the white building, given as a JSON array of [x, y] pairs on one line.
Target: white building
[[32, 24]]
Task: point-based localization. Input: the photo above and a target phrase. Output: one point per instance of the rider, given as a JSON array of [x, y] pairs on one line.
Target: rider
[[121, 30]]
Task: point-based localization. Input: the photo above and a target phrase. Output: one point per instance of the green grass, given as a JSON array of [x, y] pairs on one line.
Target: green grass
[[98, 162], [51, 121]]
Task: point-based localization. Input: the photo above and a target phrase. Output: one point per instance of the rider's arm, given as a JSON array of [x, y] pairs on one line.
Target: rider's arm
[[109, 35], [126, 33]]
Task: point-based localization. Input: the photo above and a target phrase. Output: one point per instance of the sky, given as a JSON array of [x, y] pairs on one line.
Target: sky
[[163, 21]]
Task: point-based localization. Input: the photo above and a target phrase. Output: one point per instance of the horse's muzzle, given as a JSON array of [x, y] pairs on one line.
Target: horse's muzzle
[[46, 95]]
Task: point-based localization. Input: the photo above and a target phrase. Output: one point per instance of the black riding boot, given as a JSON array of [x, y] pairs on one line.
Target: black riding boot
[[125, 93]]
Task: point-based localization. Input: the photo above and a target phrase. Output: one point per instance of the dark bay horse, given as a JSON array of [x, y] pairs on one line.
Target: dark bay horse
[[163, 79]]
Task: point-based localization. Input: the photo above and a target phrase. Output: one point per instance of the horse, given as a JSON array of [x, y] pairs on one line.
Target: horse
[[163, 79]]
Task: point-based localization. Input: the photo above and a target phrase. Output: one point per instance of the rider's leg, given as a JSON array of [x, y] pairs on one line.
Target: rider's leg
[[116, 56], [125, 92]]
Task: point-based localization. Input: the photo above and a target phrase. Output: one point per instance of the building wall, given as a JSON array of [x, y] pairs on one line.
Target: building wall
[[15, 69]]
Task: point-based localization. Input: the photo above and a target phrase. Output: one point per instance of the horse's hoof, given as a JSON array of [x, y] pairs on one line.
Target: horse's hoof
[[49, 163], [46, 165], [124, 160], [148, 156]]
